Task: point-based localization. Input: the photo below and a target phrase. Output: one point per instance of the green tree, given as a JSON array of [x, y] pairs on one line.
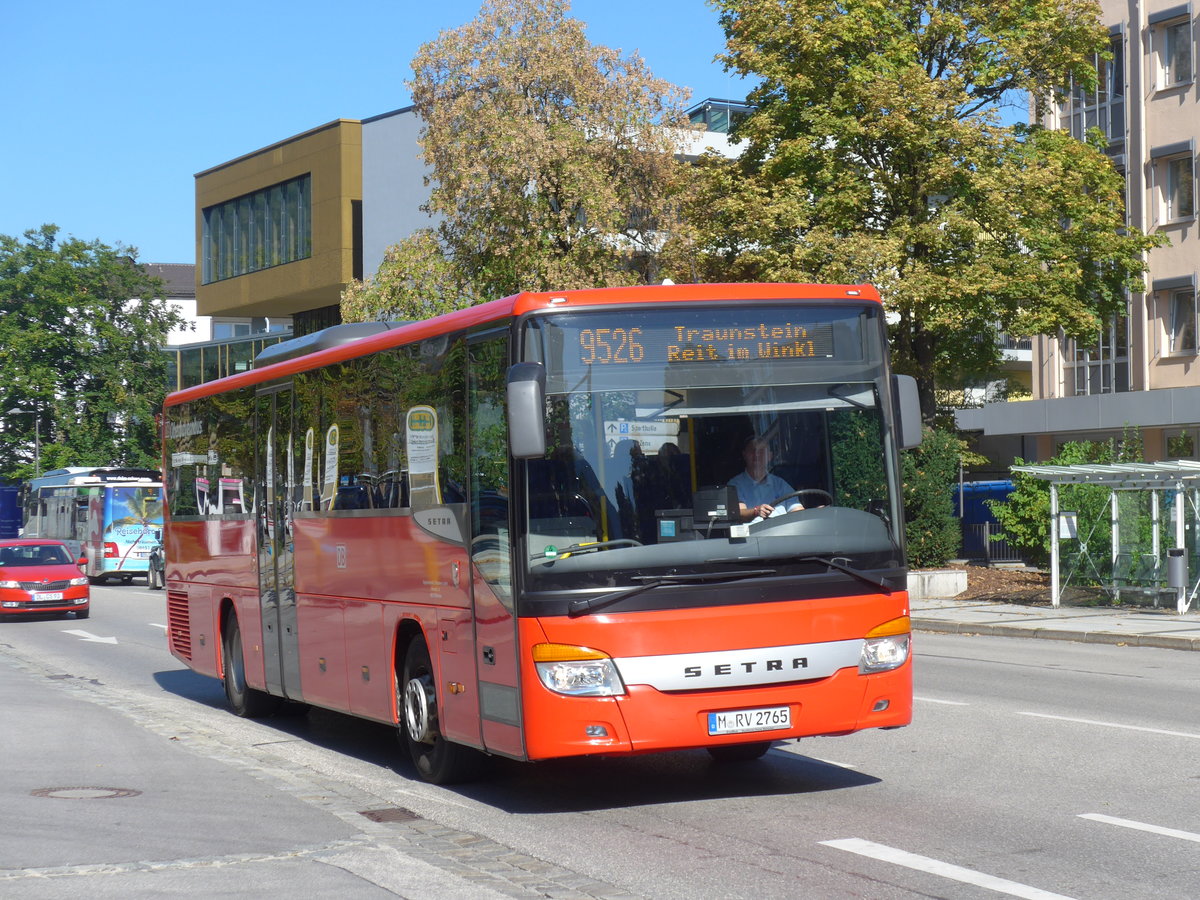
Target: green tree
[[550, 164], [416, 280], [875, 153], [82, 327]]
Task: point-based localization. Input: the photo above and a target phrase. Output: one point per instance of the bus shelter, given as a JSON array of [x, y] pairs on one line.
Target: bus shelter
[[1173, 486]]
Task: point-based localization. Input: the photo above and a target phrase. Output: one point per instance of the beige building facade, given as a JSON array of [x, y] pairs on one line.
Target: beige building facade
[[279, 230], [1143, 369]]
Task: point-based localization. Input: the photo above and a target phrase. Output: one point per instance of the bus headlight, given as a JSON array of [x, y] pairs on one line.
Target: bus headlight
[[577, 671], [886, 647]]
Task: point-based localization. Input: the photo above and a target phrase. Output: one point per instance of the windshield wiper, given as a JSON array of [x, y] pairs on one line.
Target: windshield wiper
[[579, 607], [841, 564], [554, 553], [849, 570]]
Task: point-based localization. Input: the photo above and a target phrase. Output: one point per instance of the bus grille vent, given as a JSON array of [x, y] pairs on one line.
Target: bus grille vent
[[179, 624]]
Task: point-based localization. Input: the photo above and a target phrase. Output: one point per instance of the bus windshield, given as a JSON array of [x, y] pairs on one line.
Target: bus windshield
[[707, 440]]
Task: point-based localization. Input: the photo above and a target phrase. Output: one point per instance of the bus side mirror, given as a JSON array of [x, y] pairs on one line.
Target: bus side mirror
[[908, 411], [527, 410]]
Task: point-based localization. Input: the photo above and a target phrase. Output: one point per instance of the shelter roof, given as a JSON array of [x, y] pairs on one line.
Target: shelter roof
[[1129, 476]]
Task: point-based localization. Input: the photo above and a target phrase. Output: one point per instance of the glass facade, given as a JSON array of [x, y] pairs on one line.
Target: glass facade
[[718, 115], [257, 231], [1102, 366], [195, 364], [1105, 107]]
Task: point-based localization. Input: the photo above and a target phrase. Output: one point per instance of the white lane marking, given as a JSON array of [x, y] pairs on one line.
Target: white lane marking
[[1184, 734], [1142, 826], [942, 869], [88, 636], [796, 749], [156, 625], [943, 702]]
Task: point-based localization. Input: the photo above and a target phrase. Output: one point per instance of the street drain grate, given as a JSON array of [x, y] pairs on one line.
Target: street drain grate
[[391, 814], [84, 793]]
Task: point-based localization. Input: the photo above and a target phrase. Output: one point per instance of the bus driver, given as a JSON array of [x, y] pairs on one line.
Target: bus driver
[[757, 487]]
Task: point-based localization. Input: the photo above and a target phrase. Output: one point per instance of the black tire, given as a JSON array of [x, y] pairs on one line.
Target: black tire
[[438, 760], [83, 613], [730, 753], [153, 580], [243, 700]]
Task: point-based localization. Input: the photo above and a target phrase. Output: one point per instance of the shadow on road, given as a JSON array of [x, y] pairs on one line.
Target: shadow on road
[[555, 786]]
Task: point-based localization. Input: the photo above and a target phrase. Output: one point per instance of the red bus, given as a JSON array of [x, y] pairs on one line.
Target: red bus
[[516, 530]]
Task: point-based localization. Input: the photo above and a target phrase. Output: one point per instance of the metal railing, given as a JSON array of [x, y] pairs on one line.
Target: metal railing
[[978, 544]]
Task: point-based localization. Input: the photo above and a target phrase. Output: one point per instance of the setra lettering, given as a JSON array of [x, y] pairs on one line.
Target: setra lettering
[[748, 666]]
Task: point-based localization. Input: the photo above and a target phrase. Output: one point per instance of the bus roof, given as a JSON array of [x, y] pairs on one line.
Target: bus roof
[[377, 336], [94, 475]]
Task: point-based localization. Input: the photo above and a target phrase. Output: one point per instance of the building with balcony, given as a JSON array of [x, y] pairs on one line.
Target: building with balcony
[[1143, 368]]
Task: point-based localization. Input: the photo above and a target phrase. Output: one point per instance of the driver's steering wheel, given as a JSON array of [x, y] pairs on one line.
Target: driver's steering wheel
[[828, 497]]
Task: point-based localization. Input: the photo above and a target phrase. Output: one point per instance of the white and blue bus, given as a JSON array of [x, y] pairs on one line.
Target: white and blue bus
[[111, 517]]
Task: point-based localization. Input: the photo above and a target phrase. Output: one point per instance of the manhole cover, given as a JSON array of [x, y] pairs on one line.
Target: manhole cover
[[392, 814], [84, 793]]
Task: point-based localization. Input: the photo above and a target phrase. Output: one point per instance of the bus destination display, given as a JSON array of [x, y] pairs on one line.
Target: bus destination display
[[671, 343]]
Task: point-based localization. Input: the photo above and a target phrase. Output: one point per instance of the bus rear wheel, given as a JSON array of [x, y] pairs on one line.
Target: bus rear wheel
[[438, 760], [245, 701]]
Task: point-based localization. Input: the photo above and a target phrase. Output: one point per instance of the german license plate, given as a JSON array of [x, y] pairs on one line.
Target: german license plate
[[47, 596], [740, 721]]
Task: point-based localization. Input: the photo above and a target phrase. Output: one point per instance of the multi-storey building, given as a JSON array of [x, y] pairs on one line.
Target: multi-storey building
[[281, 231], [1142, 369]]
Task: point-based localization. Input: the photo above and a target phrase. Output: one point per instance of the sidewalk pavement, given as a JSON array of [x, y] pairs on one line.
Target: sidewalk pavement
[[1141, 627]]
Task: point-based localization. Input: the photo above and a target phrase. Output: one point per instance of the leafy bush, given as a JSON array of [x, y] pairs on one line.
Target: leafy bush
[[1025, 516], [932, 532]]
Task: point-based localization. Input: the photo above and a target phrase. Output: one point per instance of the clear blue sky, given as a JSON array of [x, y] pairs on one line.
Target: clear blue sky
[[112, 108]]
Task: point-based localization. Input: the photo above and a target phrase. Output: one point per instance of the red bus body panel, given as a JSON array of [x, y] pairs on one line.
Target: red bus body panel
[[361, 581], [649, 720]]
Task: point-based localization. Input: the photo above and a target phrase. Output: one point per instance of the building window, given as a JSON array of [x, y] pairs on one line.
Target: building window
[[1105, 107], [1179, 194], [259, 230], [1100, 366], [718, 115], [1181, 445], [1174, 41], [1183, 322]]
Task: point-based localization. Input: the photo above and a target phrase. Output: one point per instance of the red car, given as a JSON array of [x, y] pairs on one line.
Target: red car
[[40, 576]]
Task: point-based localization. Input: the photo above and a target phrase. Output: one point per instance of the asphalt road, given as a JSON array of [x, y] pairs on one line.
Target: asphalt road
[[1034, 769]]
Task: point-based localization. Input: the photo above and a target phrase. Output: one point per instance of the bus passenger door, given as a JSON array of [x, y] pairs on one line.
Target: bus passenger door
[[496, 644], [273, 514]]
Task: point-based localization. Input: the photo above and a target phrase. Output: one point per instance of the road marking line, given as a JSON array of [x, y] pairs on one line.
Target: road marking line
[[834, 762], [943, 702], [1142, 826], [943, 869], [156, 625], [797, 749], [88, 636], [1112, 725]]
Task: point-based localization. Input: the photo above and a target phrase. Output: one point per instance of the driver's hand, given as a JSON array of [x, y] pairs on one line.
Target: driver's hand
[[764, 510]]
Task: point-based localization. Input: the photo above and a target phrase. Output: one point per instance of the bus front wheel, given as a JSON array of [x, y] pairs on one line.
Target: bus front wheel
[[245, 701], [438, 760]]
